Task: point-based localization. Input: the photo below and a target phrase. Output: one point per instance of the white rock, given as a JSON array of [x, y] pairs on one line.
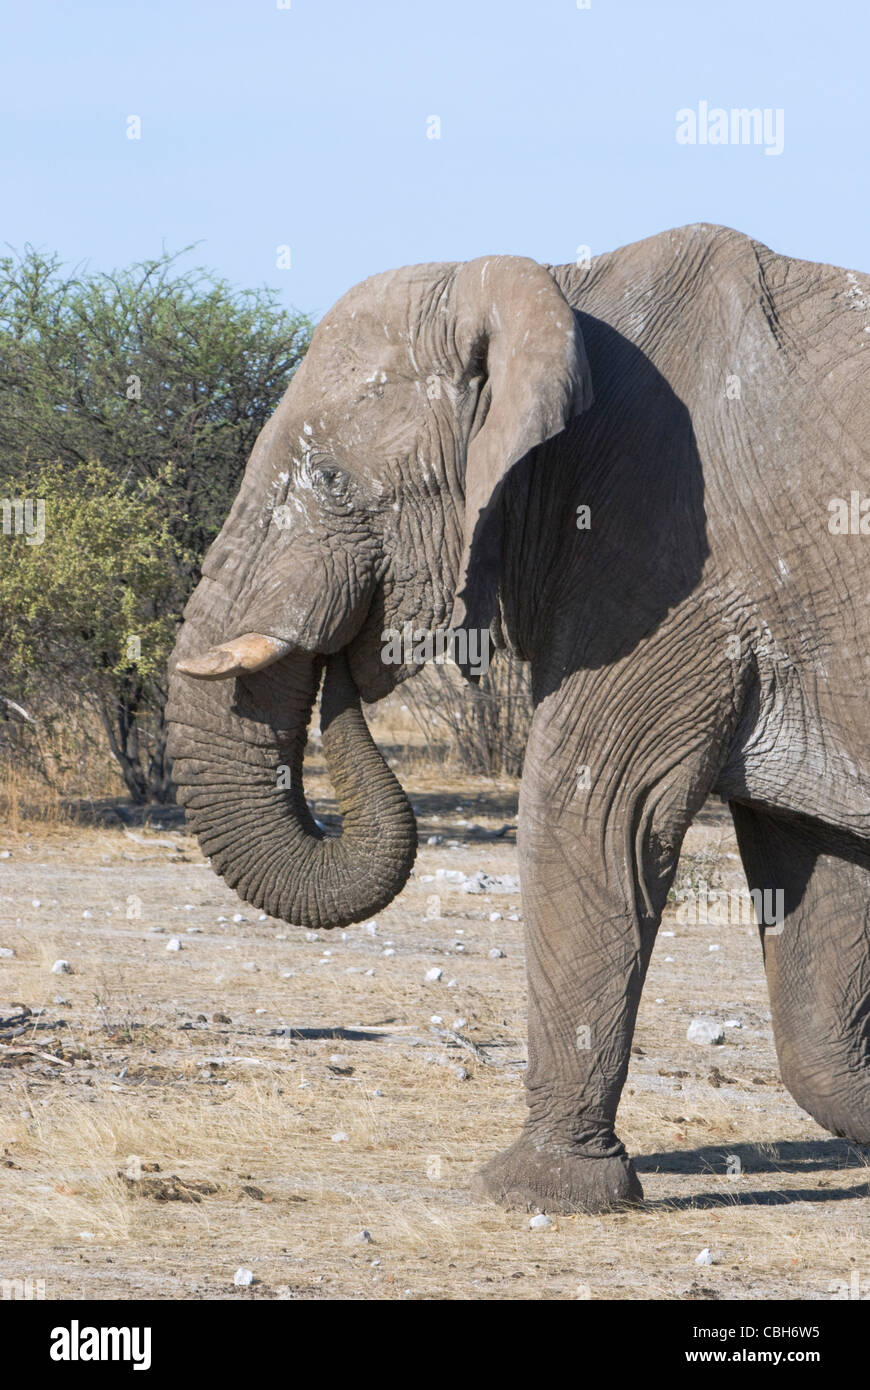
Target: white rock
[[459, 1023], [370, 928], [339, 1137], [436, 1018], [389, 951], [732, 1023], [450, 875], [496, 953], [6, 952], [669, 959], [362, 1238], [434, 840], [173, 944], [434, 975], [36, 903], [61, 967], [263, 917], [541, 1222], [87, 914], [482, 882], [667, 933], [495, 916], [5, 854], [59, 999], [243, 1278], [712, 948], [706, 1257], [705, 1030], [250, 965]]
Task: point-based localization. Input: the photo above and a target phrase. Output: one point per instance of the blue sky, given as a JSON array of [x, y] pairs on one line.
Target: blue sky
[[307, 127]]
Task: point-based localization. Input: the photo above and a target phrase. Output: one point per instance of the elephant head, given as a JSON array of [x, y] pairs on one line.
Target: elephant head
[[369, 502]]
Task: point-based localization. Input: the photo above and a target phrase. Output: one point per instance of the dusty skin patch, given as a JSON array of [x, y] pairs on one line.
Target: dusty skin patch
[[279, 1099]]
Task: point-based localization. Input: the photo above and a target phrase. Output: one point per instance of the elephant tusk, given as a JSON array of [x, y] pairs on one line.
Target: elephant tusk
[[252, 652]]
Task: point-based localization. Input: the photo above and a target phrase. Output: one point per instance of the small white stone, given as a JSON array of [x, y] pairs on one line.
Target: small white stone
[[260, 1011], [263, 917], [434, 975], [389, 951], [496, 953], [362, 1238], [705, 1030], [59, 999], [237, 917], [6, 952], [460, 1073], [37, 902], [669, 959], [243, 1278], [5, 854], [250, 965], [173, 944], [495, 916], [705, 1257], [667, 933], [459, 1023], [87, 914], [61, 967], [732, 1023], [434, 840], [712, 948], [541, 1222], [339, 1137], [436, 1018]]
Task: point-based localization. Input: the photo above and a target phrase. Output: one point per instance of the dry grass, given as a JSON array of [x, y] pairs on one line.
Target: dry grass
[[251, 1114]]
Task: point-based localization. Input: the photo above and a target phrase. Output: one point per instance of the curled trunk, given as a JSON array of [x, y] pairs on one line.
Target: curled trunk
[[238, 746]]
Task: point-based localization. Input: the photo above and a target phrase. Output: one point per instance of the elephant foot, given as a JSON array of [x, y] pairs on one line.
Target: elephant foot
[[533, 1175]]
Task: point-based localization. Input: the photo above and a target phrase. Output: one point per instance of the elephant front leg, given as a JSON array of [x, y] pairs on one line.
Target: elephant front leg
[[814, 882], [596, 864]]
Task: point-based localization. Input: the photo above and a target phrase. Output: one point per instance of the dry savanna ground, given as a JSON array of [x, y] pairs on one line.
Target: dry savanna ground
[[308, 1106]]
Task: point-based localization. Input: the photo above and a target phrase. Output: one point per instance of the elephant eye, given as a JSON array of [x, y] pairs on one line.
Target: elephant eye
[[329, 478]]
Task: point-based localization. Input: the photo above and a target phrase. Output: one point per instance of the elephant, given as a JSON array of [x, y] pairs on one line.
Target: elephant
[[642, 476]]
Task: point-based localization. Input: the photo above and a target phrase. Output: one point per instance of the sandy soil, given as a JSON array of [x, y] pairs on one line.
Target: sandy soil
[[263, 1096]]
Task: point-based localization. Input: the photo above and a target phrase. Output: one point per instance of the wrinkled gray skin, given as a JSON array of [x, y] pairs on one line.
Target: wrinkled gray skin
[[708, 634]]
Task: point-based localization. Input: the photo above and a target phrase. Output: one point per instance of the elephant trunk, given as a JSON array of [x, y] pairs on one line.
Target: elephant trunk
[[238, 748]]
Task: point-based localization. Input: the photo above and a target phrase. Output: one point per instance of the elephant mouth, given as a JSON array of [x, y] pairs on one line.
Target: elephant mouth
[[239, 719]]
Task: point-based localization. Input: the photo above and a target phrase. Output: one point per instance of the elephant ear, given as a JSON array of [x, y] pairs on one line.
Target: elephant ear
[[511, 312]]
